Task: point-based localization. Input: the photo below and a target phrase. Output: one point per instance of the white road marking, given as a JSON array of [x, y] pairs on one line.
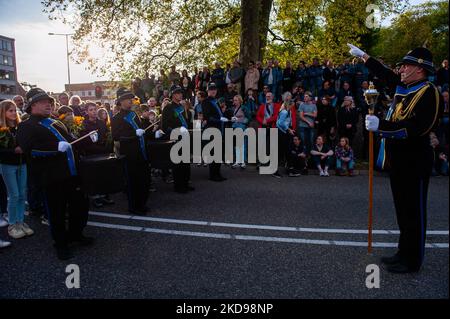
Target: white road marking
[[257, 238], [264, 227]]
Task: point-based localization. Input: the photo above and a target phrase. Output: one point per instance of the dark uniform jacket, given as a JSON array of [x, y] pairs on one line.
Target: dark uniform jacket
[[40, 146], [99, 147], [125, 133], [212, 113], [172, 118], [415, 112]]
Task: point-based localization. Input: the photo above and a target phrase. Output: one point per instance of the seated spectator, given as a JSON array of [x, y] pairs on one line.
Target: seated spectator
[[297, 158], [229, 95], [345, 162], [343, 92], [250, 103], [321, 155]]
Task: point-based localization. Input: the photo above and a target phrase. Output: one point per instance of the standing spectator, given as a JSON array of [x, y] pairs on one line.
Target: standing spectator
[[343, 92], [329, 73], [267, 116], [345, 161], [229, 95], [262, 95], [76, 104], [269, 78], [148, 84], [165, 95], [250, 103], [163, 80], [63, 99], [307, 113], [347, 117], [137, 89], [346, 72], [288, 77], [328, 90], [13, 169], [174, 76], [297, 158], [260, 70], [440, 165], [326, 119], [287, 125], [442, 131], [187, 89], [240, 120], [315, 77], [321, 156], [201, 96], [252, 77], [301, 75], [205, 77], [236, 76], [278, 80], [151, 104], [361, 72], [218, 77], [20, 103], [442, 76]]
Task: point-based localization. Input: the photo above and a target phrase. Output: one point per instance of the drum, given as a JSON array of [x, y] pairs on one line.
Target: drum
[[102, 174], [159, 153]]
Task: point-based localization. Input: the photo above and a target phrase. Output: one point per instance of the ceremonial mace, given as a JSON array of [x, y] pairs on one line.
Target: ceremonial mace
[[371, 96]]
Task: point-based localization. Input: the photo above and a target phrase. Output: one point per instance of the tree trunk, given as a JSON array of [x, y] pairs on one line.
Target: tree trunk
[[249, 47], [264, 18]]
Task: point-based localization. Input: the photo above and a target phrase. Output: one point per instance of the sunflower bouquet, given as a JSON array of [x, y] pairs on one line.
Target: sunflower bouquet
[[73, 123]]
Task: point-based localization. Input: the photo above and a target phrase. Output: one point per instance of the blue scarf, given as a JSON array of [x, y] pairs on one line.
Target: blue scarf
[[48, 123], [130, 119], [214, 103], [179, 113]]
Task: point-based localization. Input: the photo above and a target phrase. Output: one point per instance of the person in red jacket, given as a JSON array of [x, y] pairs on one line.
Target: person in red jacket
[[267, 114]]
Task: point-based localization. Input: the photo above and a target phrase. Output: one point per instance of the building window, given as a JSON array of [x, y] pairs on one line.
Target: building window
[[6, 75], [8, 89], [6, 45], [6, 60]]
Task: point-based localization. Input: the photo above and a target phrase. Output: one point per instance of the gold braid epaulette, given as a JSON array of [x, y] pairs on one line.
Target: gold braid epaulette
[[401, 114]]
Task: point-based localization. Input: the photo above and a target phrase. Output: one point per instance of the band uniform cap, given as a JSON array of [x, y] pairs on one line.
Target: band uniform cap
[[212, 86], [123, 94], [421, 57], [35, 95]]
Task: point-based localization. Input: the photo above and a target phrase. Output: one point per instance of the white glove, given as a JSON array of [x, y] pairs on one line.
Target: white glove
[[140, 132], [159, 134], [183, 130], [63, 146], [224, 119], [355, 51], [234, 119], [94, 137], [372, 123]]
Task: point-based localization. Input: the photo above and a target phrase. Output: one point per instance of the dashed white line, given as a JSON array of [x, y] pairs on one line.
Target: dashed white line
[[262, 227], [256, 238]]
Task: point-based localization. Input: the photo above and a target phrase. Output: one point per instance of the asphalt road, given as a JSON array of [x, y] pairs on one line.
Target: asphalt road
[[217, 242]]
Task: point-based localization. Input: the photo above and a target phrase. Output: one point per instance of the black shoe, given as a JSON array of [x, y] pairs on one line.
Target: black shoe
[[218, 179], [400, 268], [391, 260], [106, 201], [64, 253], [83, 240], [276, 175], [138, 212]]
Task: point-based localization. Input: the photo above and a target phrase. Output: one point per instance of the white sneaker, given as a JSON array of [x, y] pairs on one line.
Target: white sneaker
[[235, 165], [325, 173], [4, 243], [3, 223], [16, 232], [243, 166], [26, 229], [322, 173]]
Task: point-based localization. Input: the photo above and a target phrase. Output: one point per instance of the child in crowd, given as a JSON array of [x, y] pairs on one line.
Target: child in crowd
[[345, 161]]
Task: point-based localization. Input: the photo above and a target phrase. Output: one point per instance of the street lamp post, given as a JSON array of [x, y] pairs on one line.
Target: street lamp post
[[67, 50]]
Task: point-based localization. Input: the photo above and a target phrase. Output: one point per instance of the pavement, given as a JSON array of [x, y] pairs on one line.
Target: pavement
[[252, 236]]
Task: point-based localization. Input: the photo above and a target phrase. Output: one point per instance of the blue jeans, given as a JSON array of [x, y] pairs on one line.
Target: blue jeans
[[15, 178], [307, 136], [340, 163]]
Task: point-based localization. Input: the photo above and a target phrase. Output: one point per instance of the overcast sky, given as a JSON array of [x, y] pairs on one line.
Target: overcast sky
[[41, 59]]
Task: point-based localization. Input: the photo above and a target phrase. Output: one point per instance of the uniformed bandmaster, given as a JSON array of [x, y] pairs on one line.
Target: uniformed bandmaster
[[405, 147], [46, 143]]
